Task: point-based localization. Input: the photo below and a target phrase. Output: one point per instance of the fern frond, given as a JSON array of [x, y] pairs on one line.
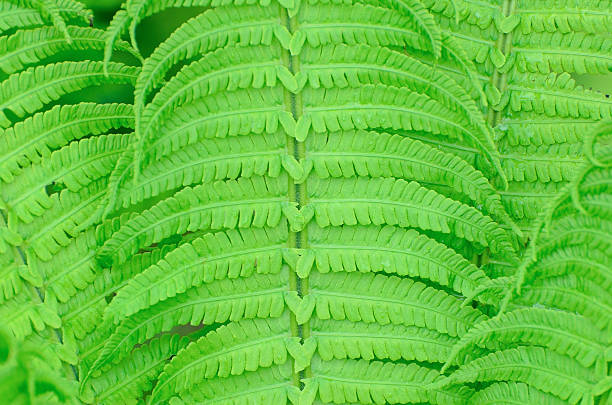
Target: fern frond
[[244, 112], [358, 340], [377, 298], [231, 254], [555, 52], [565, 333], [29, 47], [216, 302], [556, 163], [393, 251], [527, 201], [571, 16], [215, 28], [571, 293], [129, 380], [270, 385], [54, 11], [577, 229], [22, 316], [203, 162], [500, 392], [14, 16], [226, 69], [241, 203], [361, 64], [86, 306], [350, 153], [389, 108], [579, 260], [397, 202], [47, 233], [531, 129], [26, 92], [72, 167], [358, 381], [230, 350], [133, 12], [544, 370], [30, 141], [554, 95], [241, 112]]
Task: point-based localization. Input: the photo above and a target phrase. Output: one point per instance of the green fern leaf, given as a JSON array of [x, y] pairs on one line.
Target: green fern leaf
[[270, 385], [28, 91], [73, 167], [544, 370], [349, 340], [230, 350], [396, 202], [565, 333], [393, 251], [381, 299], [35, 138], [154, 225], [17, 51], [231, 254], [526, 394], [352, 381], [212, 303], [130, 379]]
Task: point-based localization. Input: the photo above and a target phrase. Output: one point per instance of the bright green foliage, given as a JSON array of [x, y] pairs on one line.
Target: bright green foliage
[[306, 202]]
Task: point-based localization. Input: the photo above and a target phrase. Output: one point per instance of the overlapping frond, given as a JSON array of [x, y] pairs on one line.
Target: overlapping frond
[[311, 202], [554, 336], [27, 92]]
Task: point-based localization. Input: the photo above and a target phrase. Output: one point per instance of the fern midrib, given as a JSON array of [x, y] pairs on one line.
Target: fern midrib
[[567, 94], [559, 12], [266, 388], [416, 384], [131, 377], [582, 297], [335, 25], [214, 116], [521, 327], [504, 45], [392, 72], [399, 157], [515, 365], [563, 51], [466, 37], [47, 42], [297, 193], [69, 269], [385, 107], [559, 262]]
